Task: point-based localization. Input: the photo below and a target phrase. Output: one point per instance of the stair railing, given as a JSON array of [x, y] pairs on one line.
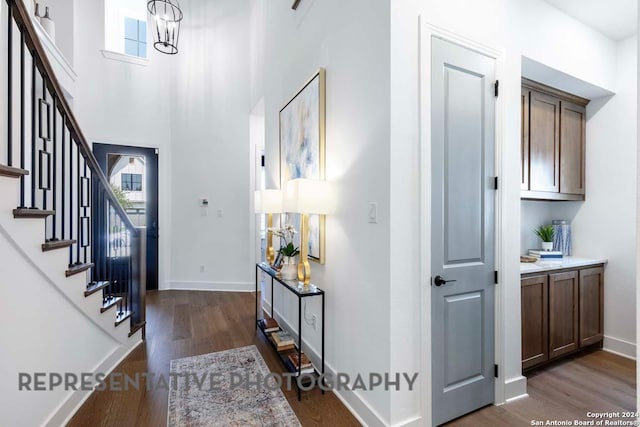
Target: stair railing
[[60, 179]]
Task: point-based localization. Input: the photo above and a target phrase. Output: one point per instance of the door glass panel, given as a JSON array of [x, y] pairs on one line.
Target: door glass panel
[[127, 178]]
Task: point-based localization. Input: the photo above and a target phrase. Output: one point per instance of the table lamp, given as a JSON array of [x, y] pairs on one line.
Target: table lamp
[[268, 202], [306, 196]]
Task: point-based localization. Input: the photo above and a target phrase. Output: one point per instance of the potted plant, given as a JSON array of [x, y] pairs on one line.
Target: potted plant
[[546, 233], [288, 250]]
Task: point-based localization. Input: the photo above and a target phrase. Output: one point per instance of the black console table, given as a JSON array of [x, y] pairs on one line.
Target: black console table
[[297, 289]]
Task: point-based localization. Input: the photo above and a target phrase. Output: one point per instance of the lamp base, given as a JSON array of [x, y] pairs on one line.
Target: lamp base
[[271, 255], [304, 272]]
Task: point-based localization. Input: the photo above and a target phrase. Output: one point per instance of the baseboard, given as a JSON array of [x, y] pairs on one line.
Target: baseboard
[[352, 400], [212, 286], [413, 422], [620, 347], [67, 409], [359, 408], [515, 388]]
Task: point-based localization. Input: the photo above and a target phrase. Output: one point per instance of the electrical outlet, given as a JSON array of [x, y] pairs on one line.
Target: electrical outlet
[[314, 321], [202, 269], [220, 213]]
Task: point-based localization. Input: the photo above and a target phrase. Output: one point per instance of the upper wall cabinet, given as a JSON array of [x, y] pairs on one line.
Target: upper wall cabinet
[[552, 143]]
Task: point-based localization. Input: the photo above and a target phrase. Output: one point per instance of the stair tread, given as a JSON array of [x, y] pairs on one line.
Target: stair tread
[[57, 244], [110, 303], [94, 287], [122, 316], [31, 213], [78, 268], [12, 172]]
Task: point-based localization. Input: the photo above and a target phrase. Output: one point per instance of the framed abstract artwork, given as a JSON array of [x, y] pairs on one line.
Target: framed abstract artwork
[[302, 148]]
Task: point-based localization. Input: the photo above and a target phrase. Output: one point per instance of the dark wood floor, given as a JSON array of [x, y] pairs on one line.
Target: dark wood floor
[[185, 323], [590, 382]]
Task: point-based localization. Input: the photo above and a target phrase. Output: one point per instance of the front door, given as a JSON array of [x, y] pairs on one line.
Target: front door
[[462, 209], [133, 175]]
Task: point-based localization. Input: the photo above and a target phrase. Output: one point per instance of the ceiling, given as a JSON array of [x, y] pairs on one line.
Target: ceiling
[[616, 19]]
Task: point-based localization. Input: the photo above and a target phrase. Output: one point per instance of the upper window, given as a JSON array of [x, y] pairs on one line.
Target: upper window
[[126, 27], [131, 182], [135, 37]]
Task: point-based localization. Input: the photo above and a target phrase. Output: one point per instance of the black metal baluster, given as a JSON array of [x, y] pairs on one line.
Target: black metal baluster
[[103, 218], [79, 197], [10, 87], [55, 165], [129, 272], [62, 189], [70, 196], [110, 248], [85, 193], [33, 130], [22, 117], [42, 185]]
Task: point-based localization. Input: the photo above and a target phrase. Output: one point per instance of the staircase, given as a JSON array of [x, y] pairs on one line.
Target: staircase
[[56, 206]]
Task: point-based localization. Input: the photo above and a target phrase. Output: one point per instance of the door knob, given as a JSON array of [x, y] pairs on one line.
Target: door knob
[[439, 281]]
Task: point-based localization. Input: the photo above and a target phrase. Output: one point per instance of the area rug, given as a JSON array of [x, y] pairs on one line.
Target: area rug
[[206, 390]]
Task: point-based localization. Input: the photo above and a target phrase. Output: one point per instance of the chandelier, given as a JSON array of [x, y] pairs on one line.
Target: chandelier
[[167, 17]]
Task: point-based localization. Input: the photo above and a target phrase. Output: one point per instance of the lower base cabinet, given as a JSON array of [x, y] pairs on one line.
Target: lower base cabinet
[[562, 312], [591, 306]]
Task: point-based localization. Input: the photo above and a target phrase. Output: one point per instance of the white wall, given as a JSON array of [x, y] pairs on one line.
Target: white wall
[[126, 104], [210, 154], [62, 13], [605, 225], [527, 27], [351, 40], [535, 213], [48, 325]]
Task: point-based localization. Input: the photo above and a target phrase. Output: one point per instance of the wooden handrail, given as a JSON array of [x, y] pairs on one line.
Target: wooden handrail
[[22, 18]]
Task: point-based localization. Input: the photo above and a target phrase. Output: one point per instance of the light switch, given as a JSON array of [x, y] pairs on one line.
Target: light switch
[[373, 213]]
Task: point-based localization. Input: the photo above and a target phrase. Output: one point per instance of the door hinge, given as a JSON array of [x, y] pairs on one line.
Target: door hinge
[[495, 371], [495, 183], [495, 277], [496, 86]]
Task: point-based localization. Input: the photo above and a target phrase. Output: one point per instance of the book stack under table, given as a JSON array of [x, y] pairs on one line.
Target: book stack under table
[[288, 347]]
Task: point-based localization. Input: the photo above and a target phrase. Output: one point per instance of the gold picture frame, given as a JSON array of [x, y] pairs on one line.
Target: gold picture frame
[[302, 147]]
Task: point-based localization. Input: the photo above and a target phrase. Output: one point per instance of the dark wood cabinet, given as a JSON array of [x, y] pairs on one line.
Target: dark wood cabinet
[[544, 142], [591, 306], [572, 155], [552, 143], [562, 312], [535, 320], [524, 140]]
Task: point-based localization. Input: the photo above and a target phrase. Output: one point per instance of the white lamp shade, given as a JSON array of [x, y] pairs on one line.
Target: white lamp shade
[[268, 201], [307, 196]]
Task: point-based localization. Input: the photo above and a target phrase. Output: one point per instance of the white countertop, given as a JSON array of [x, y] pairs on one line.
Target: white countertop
[[566, 262]]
